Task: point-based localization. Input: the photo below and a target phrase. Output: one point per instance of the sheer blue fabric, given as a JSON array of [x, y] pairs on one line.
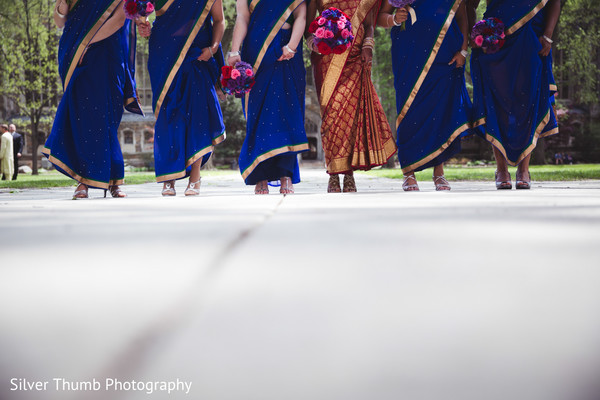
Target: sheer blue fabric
[[83, 143], [189, 119], [275, 106], [432, 121], [511, 88]]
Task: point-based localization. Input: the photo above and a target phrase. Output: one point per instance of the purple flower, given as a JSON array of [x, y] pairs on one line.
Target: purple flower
[[401, 3]]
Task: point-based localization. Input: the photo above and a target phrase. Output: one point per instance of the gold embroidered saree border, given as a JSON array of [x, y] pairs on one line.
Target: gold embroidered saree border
[[274, 31], [517, 25], [164, 8], [338, 61], [270, 154], [429, 62], [538, 134], [252, 5], [439, 151], [77, 177], [343, 164], [87, 39], [182, 54]]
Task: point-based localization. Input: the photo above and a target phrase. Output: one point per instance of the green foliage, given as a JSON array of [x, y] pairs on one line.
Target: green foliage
[[383, 76], [29, 60], [538, 172], [579, 39], [228, 151]]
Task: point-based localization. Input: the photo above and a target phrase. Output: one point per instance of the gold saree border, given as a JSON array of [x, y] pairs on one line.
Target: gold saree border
[[274, 31], [538, 134], [252, 5], [517, 25], [77, 177], [87, 39], [553, 88], [198, 155], [338, 61], [164, 8], [182, 54], [430, 60], [270, 154], [440, 150], [344, 164]]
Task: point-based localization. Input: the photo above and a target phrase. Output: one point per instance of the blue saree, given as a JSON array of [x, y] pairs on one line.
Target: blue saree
[[98, 83], [431, 96], [513, 88], [189, 121], [274, 107]]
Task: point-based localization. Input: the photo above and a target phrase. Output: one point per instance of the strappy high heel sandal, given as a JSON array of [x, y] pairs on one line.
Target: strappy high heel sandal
[[349, 184], [81, 193], [115, 191], [191, 188], [261, 187], [441, 183], [410, 188], [286, 185], [503, 185], [523, 183], [334, 184], [169, 189]]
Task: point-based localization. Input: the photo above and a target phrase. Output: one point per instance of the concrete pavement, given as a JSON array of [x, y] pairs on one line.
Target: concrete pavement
[[472, 294]]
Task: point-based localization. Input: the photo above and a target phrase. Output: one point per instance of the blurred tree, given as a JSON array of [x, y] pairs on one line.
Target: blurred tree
[[29, 61]]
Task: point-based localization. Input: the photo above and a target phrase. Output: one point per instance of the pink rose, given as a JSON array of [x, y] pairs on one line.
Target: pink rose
[[502, 35], [249, 72], [341, 24], [321, 21], [235, 74], [329, 34], [343, 19], [345, 33], [320, 33], [479, 40], [149, 8]]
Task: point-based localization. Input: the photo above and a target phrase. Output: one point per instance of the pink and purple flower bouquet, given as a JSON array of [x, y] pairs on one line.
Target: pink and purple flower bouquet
[[237, 80], [135, 9], [332, 31], [401, 3], [488, 34]]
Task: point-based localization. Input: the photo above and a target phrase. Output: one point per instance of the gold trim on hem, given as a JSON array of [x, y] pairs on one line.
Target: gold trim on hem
[[517, 25], [271, 154], [164, 8], [86, 41], [344, 164], [430, 60], [338, 61], [170, 177], [77, 177], [182, 54], [439, 151], [538, 134]]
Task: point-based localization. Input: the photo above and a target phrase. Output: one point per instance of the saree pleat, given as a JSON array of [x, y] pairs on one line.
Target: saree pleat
[[355, 132], [513, 88], [98, 83], [431, 97], [274, 107], [189, 120]]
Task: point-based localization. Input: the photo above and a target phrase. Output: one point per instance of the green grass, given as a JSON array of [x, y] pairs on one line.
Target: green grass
[[575, 172], [56, 179]]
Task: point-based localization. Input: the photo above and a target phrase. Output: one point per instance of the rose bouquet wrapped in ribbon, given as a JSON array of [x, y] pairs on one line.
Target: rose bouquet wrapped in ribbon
[[332, 31], [488, 34], [237, 80], [402, 4], [136, 9]]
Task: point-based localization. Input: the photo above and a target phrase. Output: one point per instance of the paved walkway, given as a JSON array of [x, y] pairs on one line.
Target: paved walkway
[[472, 294]]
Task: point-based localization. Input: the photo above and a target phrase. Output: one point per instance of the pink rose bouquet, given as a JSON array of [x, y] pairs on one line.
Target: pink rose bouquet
[[332, 31]]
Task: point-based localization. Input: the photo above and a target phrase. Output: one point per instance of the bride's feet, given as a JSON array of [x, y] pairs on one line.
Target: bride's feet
[[261, 187], [169, 188], [286, 185], [349, 184], [81, 192], [193, 188], [334, 184]]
